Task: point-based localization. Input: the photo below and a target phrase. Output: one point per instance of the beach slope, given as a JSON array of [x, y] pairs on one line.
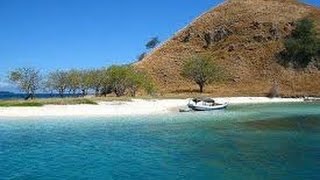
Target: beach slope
[[124, 108]]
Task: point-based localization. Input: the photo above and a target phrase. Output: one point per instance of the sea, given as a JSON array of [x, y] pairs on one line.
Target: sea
[[257, 141]]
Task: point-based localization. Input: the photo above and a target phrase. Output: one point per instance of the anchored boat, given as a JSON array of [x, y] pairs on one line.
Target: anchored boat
[[206, 104]]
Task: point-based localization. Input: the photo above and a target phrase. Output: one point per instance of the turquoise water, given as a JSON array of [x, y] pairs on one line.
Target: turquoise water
[[275, 141]]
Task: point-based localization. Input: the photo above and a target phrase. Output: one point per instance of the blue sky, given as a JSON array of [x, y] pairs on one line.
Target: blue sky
[[52, 34]]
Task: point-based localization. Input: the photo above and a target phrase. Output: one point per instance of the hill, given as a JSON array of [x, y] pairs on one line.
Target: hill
[[243, 36]]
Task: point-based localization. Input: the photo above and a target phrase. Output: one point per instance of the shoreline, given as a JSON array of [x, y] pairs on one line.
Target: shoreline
[[135, 107]]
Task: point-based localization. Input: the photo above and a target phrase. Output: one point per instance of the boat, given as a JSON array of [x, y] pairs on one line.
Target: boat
[[206, 104]]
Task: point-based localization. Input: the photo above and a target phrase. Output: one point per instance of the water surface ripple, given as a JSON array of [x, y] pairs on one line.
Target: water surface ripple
[[268, 141]]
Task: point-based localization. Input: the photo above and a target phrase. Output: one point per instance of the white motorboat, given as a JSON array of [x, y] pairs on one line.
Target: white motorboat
[[206, 104]]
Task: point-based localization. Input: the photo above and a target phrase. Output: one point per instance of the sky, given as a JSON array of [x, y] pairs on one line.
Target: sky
[[65, 34]]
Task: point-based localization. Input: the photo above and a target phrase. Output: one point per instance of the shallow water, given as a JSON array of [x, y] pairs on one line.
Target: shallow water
[[271, 141]]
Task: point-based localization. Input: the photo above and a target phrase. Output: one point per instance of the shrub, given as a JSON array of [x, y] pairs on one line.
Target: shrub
[[302, 46]]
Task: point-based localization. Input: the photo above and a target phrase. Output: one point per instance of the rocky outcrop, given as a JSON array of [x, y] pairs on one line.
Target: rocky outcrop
[[216, 35]]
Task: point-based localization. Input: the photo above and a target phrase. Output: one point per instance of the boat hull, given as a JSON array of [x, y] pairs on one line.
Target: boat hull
[[208, 108]]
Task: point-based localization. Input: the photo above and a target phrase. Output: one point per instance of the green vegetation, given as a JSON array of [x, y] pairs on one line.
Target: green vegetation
[[303, 46], [96, 78], [141, 56], [73, 79], [125, 79], [42, 102], [58, 81], [202, 70], [19, 104], [152, 43], [121, 80], [118, 79], [27, 79], [67, 101]]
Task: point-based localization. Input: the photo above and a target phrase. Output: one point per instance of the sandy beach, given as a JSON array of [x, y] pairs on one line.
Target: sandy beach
[[120, 108]]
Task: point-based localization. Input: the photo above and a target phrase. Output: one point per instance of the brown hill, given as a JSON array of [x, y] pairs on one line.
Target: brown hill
[[243, 36]]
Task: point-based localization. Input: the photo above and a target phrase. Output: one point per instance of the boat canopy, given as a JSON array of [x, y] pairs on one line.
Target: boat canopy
[[205, 99]]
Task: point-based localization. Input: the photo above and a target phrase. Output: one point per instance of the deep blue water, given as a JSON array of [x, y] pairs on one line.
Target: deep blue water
[[275, 141]]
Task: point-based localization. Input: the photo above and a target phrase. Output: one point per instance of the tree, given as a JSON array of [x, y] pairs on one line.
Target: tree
[[146, 83], [302, 46], [73, 80], [58, 80], [138, 80], [48, 86], [27, 79], [152, 43], [85, 82], [95, 80], [141, 56], [125, 79], [134, 81], [118, 79], [202, 70], [106, 87]]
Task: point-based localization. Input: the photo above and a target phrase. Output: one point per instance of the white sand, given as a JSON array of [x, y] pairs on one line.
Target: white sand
[[134, 107]]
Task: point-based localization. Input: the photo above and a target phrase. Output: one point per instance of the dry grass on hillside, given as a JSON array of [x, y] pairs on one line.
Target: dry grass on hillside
[[246, 36]]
